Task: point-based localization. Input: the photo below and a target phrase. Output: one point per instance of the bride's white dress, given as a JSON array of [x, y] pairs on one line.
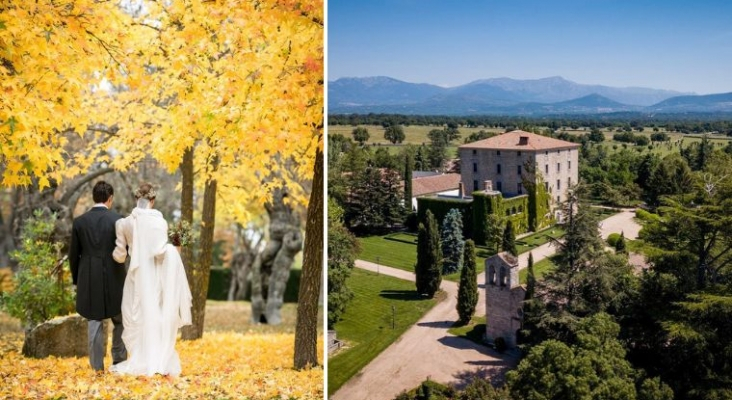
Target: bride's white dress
[[156, 300]]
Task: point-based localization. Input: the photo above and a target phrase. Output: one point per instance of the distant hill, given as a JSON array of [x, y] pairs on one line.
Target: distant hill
[[505, 96]]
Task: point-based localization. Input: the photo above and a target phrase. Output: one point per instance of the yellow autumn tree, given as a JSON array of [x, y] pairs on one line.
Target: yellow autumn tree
[[229, 91]]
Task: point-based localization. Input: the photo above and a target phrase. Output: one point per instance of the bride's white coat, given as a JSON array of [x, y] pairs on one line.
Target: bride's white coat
[[156, 300]]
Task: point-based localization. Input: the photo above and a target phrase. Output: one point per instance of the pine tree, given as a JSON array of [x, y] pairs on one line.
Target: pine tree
[[509, 239], [429, 257], [468, 289], [530, 278], [452, 242]]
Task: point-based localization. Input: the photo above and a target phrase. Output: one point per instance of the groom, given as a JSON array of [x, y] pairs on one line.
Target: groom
[[98, 277]]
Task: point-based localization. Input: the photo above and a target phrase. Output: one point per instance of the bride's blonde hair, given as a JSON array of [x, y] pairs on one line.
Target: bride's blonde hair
[[144, 194]]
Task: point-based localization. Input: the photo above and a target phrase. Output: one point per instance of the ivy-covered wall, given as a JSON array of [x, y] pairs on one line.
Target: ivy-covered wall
[[516, 210], [441, 206], [540, 215]]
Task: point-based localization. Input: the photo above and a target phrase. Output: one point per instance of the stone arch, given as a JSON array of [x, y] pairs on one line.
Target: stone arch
[[492, 274], [521, 208], [502, 276], [513, 210]]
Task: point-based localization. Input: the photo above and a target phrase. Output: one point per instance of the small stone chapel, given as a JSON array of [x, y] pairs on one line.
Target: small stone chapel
[[504, 298]]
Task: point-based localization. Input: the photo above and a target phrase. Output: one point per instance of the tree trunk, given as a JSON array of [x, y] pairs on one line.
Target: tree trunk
[[202, 270], [306, 329], [186, 207]]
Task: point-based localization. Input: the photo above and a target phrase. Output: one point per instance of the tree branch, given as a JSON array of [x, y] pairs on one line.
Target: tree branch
[[81, 182]]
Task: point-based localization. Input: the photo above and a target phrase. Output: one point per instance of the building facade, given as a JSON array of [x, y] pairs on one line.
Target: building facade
[[506, 161], [504, 299]]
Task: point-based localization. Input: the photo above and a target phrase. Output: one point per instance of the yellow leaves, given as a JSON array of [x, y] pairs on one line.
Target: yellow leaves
[[221, 365]]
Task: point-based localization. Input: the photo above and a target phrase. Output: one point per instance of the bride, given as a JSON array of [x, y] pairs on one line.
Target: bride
[[156, 300]]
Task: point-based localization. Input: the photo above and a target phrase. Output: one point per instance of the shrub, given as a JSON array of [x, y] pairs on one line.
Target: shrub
[[42, 289], [646, 216], [612, 240]]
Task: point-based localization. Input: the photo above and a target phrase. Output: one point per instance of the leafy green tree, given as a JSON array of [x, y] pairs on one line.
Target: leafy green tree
[[360, 134], [42, 289], [394, 134], [342, 250], [467, 298], [373, 202], [480, 135], [508, 242], [596, 136], [452, 242], [594, 368], [493, 232], [672, 176], [429, 257]]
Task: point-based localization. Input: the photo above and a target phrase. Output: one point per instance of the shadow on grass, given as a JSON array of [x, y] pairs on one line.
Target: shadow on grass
[[401, 295], [437, 324]]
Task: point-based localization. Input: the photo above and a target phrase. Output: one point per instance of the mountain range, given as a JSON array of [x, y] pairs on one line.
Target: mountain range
[[505, 96]]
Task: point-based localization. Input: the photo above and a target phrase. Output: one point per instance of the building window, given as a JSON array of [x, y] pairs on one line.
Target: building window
[[569, 165], [546, 169], [546, 186], [502, 276], [559, 184], [518, 153], [508, 212], [475, 184], [492, 274], [521, 208], [546, 153], [498, 168], [519, 188], [569, 183], [475, 167], [559, 167], [498, 152], [519, 169], [558, 199], [475, 152], [498, 186]]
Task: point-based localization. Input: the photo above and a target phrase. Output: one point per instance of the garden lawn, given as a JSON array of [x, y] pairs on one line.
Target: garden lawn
[[366, 327], [540, 268], [233, 360], [399, 250], [472, 331], [537, 239]]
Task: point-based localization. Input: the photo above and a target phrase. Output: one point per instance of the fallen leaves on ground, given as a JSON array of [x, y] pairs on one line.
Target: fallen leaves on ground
[[218, 366]]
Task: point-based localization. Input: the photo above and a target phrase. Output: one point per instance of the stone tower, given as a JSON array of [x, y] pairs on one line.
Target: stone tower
[[504, 298]]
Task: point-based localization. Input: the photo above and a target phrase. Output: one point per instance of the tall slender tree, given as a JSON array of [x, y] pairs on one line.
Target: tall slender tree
[[429, 257], [530, 278], [468, 289], [509, 239], [408, 166]]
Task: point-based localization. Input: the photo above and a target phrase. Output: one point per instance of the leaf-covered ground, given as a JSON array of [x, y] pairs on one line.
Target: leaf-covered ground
[[253, 362]]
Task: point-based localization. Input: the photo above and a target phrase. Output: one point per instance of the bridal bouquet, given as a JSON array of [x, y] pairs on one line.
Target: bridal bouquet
[[180, 234]]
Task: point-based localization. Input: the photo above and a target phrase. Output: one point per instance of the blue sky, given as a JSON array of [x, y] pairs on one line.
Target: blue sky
[[676, 45]]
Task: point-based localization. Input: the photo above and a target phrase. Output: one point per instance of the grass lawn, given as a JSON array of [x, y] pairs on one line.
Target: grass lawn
[[537, 239], [399, 250], [540, 268], [473, 331], [366, 326]]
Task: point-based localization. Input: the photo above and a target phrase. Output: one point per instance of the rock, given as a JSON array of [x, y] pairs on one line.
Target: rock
[[61, 337]]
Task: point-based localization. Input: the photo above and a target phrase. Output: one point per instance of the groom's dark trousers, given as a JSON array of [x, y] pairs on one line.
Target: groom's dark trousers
[[99, 281]]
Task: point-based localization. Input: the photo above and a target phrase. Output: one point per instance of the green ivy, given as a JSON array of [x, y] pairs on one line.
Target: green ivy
[[441, 206]]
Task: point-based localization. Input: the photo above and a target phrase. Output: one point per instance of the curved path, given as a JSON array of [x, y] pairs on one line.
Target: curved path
[[427, 349]]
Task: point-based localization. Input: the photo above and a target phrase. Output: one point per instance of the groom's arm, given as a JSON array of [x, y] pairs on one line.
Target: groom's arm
[[120, 245]]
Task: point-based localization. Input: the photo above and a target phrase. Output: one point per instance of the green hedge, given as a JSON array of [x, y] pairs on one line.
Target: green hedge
[[440, 207], [220, 278]]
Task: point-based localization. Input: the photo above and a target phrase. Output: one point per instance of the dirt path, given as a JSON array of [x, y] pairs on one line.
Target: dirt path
[[428, 350], [424, 350]]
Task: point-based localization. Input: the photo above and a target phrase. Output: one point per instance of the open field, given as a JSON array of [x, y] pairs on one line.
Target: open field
[[366, 328], [417, 135]]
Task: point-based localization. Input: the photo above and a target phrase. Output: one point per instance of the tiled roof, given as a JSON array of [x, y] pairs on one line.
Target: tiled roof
[[434, 184], [512, 141]]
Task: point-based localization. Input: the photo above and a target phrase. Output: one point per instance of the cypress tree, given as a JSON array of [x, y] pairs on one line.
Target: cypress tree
[[429, 257], [468, 289], [509, 239], [620, 244], [408, 182], [530, 278]]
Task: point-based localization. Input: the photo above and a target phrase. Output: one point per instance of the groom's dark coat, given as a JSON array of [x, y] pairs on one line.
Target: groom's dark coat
[[98, 277]]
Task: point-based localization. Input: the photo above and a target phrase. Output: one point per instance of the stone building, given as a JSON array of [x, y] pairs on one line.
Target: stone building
[[502, 162], [504, 298]]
